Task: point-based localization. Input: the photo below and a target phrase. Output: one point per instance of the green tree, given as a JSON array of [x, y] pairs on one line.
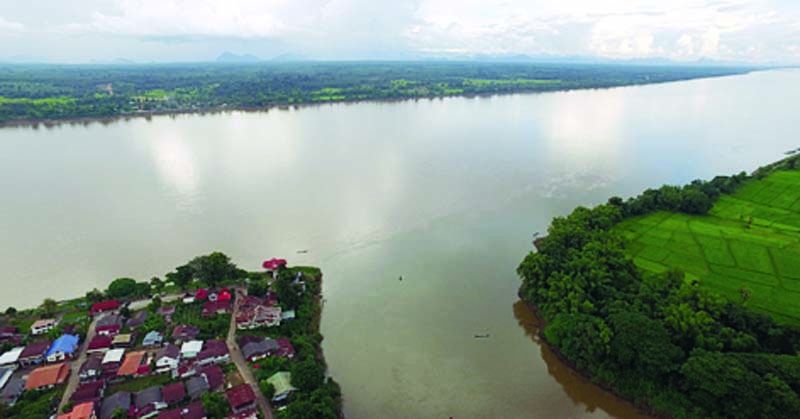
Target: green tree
[[122, 288], [308, 375], [215, 405], [643, 345], [157, 285], [49, 306], [95, 296], [695, 202], [214, 268], [182, 277]]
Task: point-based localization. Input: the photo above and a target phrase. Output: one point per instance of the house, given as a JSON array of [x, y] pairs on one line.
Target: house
[[11, 357], [137, 320], [89, 392], [33, 354], [214, 352], [288, 315], [62, 348], [251, 316], [5, 375], [282, 382], [212, 308], [112, 360], [81, 411], [92, 368], [241, 398], [120, 401], [12, 390], [153, 338], [123, 340], [191, 348], [109, 325], [196, 386], [133, 365], [99, 343], [192, 411], [149, 401], [43, 326], [166, 312], [285, 348], [184, 333], [47, 377], [214, 376], [274, 265], [10, 335], [104, 307], [174, 393], [260, 348], [188, 299], [167, 358]]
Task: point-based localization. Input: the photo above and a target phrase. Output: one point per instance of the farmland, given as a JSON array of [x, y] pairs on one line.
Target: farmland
[[746, 248]]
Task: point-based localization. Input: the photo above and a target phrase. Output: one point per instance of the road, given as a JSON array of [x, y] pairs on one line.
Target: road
[[75, 366], [241, 363]]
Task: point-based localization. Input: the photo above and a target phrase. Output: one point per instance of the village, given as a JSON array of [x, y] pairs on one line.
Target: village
[[222, 350]]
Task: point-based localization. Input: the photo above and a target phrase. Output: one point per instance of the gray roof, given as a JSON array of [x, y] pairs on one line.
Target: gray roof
[[259, 347], [109, 319], [171, 351], [148, 396], [12, 390], [137, 319], [92, 363], [121, 400], [196, 386]]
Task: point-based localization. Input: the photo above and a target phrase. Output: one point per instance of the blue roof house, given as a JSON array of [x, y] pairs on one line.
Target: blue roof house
[[62, 348], [153, 338]]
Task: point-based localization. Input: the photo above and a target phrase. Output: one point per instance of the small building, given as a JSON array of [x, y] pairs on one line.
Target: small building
[[167, 358], [133, 365], [282, 382], [123, 340], [5, 375], [112, 360], [184, 333], [12, 390], [214, 376], [166, 312], [62, 348], [212, 308], [11, 357], [196, 386], [81, 411], [99, 343], [285, 348], [241, 398], [149, 401], [109, 325], [288, 315], [92, 368], [33, 354], [120, 401], [91, 391], [42, 326], [214, 352], [191, 348], [174, 393], [47, 377], [259, 349], [153, 338], [104, 307], [9, 335], [137, 320], [191, 411]]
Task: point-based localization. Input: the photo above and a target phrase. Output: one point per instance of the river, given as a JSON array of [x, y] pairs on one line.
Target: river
[[445, 193]]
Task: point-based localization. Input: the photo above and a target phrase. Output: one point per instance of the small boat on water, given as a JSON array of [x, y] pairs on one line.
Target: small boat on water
[[302, 251], [482, 336]]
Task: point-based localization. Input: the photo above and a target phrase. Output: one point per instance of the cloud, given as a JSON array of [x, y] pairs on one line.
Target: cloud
[[7, 25]]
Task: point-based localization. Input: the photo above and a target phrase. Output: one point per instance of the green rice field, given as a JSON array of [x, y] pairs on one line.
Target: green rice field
[[749, 239]]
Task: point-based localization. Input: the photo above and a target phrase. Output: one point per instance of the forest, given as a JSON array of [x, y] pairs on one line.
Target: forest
[[660, 339], [30, 93]]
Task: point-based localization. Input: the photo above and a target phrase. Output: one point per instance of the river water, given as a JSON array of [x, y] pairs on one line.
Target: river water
[[445, 193]]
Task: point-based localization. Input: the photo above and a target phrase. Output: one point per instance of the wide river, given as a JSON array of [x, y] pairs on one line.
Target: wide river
[[446, 193]]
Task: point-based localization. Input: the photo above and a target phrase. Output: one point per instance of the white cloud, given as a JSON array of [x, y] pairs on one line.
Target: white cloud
[[7, 25]]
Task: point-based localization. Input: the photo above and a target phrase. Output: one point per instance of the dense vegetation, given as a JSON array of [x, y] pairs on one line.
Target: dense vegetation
[[33, 93], [659, 339]]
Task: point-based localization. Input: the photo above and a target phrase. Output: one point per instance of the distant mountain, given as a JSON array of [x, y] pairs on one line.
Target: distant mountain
[[229, 57]]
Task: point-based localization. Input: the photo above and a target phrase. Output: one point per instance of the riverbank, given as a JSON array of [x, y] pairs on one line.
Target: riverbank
[[655, 336], [202, 329]]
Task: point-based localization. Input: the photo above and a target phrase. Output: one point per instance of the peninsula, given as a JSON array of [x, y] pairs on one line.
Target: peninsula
[[683, 299], [209, 340]]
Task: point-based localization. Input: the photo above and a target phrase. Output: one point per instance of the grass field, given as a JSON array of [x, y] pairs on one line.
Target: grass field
[[750, 239]]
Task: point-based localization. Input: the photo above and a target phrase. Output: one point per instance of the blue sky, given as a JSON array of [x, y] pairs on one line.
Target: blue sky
[[758, 31]]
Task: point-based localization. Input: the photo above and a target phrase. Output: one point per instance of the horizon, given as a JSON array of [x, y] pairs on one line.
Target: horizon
[[744, 32]]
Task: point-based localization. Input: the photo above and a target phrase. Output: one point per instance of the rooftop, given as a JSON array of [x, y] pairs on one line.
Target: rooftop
[[131, 364], [47, 376], [81, 411], [282, 382], [35, 349], [114, 355], [240, 395], [192, 346], [11, 356], [66, 344]]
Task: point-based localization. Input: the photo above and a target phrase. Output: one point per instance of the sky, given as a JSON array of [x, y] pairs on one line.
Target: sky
[[79, 31]]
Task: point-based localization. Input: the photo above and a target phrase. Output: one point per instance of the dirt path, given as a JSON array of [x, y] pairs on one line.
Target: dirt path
[[241, 363], [75, 366]]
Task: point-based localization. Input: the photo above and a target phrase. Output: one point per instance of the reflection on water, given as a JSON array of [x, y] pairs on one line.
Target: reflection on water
[[580, 390]]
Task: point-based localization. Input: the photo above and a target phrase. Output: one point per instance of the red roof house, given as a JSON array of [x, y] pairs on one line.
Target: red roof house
[[104, 306], [173, 393], [100, 343], [46, 377], [274, 264], [241, 398]]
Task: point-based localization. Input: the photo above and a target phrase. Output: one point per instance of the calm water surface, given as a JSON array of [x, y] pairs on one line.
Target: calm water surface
[[446, 193]]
